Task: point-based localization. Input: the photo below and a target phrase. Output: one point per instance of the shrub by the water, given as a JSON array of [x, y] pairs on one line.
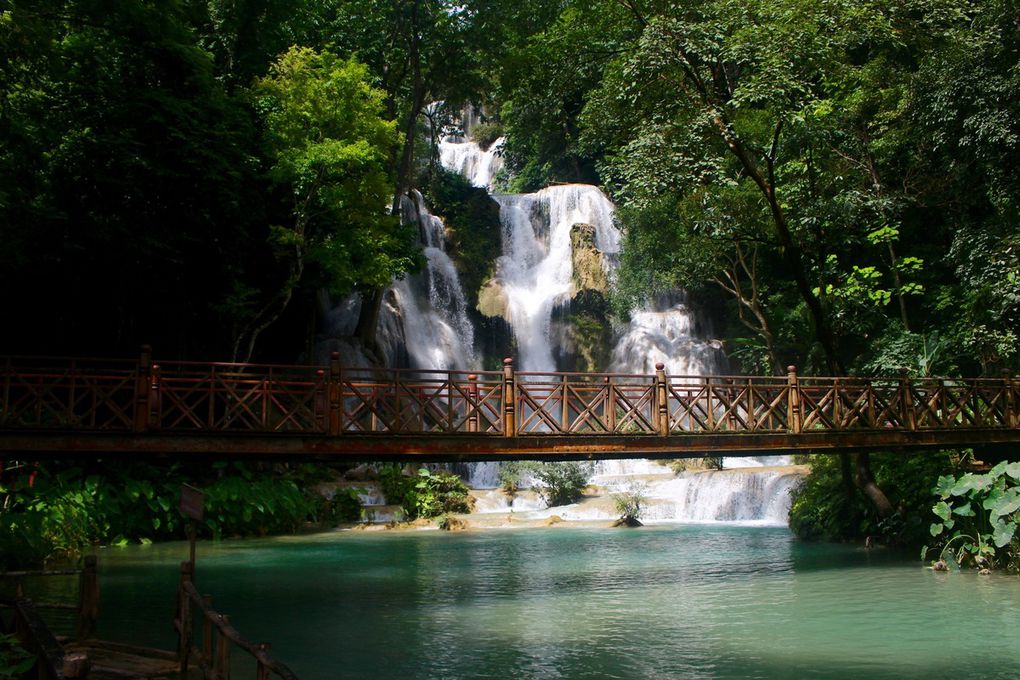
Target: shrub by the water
[[562, 483], [628, 504], [825, 508], [53, 511], [978, 519], [426, 494], [485, 134]]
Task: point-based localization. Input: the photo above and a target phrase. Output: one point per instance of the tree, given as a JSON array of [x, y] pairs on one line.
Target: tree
[[330, 148]]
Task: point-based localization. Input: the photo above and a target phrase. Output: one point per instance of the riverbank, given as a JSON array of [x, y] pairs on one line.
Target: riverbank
[[753, 496]]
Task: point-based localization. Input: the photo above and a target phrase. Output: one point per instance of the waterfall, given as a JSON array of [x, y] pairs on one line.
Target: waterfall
[[437, 331], [535, 274], [478, 165], [535, 270]]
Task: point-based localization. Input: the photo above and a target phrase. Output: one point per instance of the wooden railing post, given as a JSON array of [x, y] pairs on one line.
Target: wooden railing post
[[709, 408], [509, 398], [88, 600], [143, 389], [223, 651], [184, 622], [261, 672], [1009, 409], [661, 400], [793, 410], [564, 405], [207, 632], [334, 385], [472, 420], [610, 410], [907, 399]]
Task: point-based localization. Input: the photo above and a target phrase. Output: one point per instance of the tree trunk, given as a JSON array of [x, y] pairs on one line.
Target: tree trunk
[[866, 483], [368, 320]]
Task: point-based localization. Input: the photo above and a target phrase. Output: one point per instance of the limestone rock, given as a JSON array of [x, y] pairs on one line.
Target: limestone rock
[[492, 300], [589, 273]]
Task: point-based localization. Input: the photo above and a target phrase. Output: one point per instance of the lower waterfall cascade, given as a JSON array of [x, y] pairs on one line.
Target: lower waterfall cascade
[[560, 248]]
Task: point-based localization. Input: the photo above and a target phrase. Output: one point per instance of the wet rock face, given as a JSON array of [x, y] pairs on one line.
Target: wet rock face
[[492, 300], [589, 271]]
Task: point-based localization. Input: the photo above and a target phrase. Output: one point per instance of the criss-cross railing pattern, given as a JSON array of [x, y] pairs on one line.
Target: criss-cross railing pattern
[[728, 404], [584, 403], [225, 397], [68, 393], [189, 397], [415, 401]]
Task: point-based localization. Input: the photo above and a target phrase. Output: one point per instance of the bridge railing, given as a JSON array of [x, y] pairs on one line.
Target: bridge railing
[[67, 393], [191, 397], [218, 638]]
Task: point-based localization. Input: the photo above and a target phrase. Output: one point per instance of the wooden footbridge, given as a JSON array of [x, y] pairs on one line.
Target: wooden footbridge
[[88, 407]]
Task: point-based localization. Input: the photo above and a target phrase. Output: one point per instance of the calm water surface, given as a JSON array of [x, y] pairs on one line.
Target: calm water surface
[[654, 602]]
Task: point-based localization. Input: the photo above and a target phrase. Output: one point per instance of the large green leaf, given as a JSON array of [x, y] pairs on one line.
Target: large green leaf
[[1013, 470], [970, 483], [935, 529], [943, 510], [964, 510], [944, 486], [1003, 533], [1006, 504]]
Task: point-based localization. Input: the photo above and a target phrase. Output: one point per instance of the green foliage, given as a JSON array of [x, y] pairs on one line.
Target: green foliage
[[978, 515], [511, 473], [246, 504], [562, 483], [485, 134], [473, 227], [14, 660], [67, 509], [678, 465], [427, 494], [825, 508], [344, 506], [628, 503]]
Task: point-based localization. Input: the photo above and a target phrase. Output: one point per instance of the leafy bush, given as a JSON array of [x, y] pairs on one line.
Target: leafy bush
[[562, 483], [14, 660], [824, 508], [678, 465], [978, 517], [628, 504], [344, 506], [427, 494], [486, 134]]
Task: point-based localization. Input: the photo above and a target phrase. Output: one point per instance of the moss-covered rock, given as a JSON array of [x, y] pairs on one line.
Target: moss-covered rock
[[493, 300], [473, 229], [589, 271]]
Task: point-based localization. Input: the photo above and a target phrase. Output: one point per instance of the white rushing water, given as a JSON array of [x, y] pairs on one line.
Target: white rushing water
[[535, 272], [478, 165], [536, 268]]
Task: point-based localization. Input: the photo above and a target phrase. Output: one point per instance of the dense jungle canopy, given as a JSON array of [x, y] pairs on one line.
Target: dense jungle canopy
[[839, 175]]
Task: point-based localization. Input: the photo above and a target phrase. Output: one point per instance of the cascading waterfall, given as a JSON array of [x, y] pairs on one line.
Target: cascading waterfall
[[535, 274], [478, 165], [535, 270]]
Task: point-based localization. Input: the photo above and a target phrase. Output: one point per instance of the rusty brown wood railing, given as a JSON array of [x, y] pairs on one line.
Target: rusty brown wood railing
[[197, 398], [218, 638], [87, 606], [37, 637]]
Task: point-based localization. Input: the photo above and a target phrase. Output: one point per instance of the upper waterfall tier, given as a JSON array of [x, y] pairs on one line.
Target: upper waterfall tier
[[478, 165], [536, 268]]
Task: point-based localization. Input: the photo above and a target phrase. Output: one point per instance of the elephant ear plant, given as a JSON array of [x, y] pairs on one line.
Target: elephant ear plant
[[978, 518]]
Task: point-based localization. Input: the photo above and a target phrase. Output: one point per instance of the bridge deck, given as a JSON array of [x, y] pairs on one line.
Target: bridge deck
[[96, 407]]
